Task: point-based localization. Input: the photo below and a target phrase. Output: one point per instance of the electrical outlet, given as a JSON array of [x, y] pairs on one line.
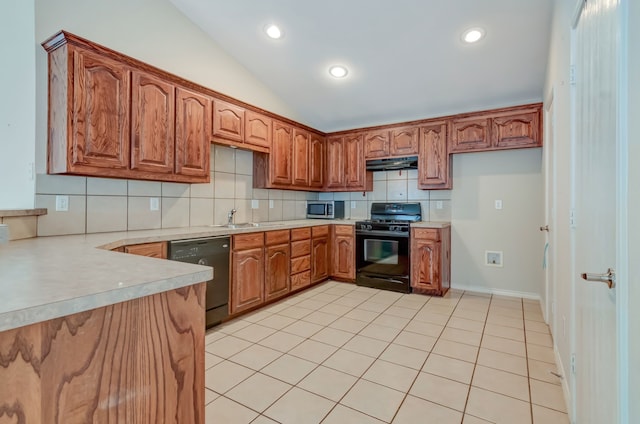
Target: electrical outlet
[[353, 205], [4, 233], [255, 204], [498, 204], [62, 203], [493, 258], [564, 327], [573, 363], [271, 204], [438, 204], [154, 204], [572, 218]]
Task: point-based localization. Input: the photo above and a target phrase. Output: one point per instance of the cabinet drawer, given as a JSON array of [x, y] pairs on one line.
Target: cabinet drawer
[[302, 279], [300, 233], [322, 230], [276, 237], [300, 264], [300, 248], [426, 234], [152, 250], [248, 241], [343, 230]]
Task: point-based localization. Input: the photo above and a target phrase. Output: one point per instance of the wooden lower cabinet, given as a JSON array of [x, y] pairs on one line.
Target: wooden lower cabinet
[[152, 250], [277, 257], [343, 252], [300, 258], [320, 256], [430, 260], [247, 272], [138, 361]]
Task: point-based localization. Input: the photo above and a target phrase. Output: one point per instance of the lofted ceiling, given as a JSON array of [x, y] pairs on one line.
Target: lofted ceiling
[[405, 58]]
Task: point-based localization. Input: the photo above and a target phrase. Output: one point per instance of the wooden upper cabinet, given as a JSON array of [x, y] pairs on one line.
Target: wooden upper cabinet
[[470, 133], [258, 129], [281, 154], [516, 130], [300, 156], [500, 129], [100, 118], [434, 166], [316, 161], [153, 124], [113, 116], [376, 144], [335, 176], [193, 121], [404, 141], [228, 121], [354, 161]]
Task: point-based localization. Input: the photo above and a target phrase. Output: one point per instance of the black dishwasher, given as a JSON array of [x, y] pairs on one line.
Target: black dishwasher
[[213, 252]]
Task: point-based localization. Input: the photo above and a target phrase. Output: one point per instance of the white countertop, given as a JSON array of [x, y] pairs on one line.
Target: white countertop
[[48, 277]]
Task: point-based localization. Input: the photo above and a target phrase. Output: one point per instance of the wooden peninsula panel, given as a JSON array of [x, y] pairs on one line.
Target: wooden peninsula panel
[[140, 361]]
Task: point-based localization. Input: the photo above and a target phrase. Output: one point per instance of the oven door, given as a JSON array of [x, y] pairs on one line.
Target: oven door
[[382, 260]]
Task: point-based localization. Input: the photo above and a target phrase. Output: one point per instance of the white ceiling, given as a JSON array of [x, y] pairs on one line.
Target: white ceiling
[[405, 57]]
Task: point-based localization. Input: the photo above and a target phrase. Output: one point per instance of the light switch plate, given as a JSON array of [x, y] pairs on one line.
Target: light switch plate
[[62, 203], [154, 204], [498, 204], [255, 204], [438, 204], [271, 204], [353, 204]]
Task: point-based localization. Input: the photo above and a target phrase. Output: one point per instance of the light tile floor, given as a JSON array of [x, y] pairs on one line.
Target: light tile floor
[[338, 353]]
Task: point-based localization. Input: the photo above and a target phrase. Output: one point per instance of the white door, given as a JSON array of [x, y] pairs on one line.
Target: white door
[[597, 63], [549, 226]]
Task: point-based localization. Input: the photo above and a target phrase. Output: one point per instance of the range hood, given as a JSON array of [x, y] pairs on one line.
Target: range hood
[[409, 162]]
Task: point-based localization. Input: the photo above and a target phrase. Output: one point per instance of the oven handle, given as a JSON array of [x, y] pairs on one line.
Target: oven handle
[[382, 233]]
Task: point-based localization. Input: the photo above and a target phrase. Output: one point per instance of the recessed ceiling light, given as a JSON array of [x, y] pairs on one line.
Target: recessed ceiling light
[[338, 71], [472, 35], [273, 31]]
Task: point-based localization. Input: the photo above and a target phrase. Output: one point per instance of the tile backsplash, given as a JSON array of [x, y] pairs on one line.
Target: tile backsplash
[[395, 186], [102, 204]]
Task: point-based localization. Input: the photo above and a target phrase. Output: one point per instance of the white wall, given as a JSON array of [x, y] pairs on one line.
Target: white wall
[[153, 31], [17, 104], [515, 177], [634, 208]]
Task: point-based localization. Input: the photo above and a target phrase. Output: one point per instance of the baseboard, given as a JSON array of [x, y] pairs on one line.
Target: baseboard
[[565, 383], [499, 292]]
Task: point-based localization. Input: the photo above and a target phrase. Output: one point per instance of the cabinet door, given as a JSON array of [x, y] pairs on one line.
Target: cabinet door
[[434, 166], [469, 134], [101, 109], [300, 158], [316, 161], [335, 162], [515, 131], [354, 162], [276, 271], [281, 154], [344, 258], [425, 265], [153, 124], [404, 141], [193, 120], [376, 144], [319, 259], [257, 129], [247, 287], [228, 121]]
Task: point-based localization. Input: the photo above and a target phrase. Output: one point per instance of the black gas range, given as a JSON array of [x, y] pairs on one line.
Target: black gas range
[[382, 246]]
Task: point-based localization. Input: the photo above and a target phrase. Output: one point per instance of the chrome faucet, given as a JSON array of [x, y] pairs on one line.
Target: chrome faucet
[[230, 216]]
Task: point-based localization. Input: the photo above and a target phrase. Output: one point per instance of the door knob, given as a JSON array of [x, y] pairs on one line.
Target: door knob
[[609, 278], [545, 228]]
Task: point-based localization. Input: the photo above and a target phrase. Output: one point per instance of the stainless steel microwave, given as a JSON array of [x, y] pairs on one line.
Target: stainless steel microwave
[[329, 209]]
